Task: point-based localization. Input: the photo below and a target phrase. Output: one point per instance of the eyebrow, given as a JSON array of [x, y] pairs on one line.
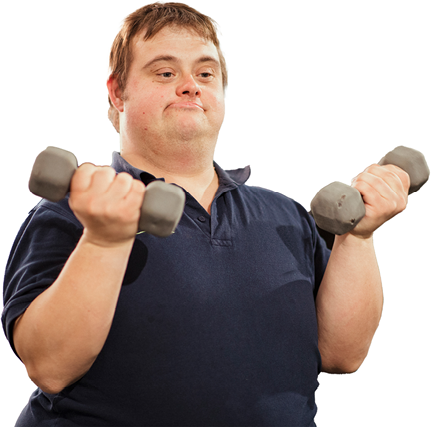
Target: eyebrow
[[170, 58]]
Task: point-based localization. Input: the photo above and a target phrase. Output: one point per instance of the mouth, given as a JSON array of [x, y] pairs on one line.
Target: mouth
[[187, 105]]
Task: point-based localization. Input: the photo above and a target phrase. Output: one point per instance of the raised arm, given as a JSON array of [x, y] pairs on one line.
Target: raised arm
[[350, 299], [63, 330]]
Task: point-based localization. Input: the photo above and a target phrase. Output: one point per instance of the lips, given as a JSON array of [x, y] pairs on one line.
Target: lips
[[187, 105]]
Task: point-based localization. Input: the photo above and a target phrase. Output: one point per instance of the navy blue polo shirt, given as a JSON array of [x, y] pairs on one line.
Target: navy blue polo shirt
[[215, 325]]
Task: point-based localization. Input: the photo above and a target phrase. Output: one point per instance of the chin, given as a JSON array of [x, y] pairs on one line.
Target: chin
[[189, 131]]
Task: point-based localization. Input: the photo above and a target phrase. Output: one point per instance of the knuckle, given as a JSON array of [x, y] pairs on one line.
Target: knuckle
[[393, 170], [125, 182], [124, 176], [369, 170], [138, 186], [393, 205], [358, 184], [106, 171], [402, 202], [405, 178], [87, 166]]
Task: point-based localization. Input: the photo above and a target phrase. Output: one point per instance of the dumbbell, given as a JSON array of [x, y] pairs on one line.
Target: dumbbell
[[338, 208], [163, 203]]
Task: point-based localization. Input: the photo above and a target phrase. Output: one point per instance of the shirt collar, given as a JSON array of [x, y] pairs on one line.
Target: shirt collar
[[227, 179]]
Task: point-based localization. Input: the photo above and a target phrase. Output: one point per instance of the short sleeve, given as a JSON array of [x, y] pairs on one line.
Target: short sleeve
[[321, 254], [43, 244]]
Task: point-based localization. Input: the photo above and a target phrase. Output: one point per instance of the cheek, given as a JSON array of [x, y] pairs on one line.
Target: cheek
[[144, 102], [219, 106]]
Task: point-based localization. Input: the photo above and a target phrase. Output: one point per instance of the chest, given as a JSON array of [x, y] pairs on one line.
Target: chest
[[238, 261]]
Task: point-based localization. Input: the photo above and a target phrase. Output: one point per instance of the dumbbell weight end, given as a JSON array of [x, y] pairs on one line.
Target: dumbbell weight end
[[52, 173], [337, 208], [162, 208], [412, 161]]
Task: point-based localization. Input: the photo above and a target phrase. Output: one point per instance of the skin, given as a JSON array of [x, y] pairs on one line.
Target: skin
[[350, 299], [170, 113], [172, 109]]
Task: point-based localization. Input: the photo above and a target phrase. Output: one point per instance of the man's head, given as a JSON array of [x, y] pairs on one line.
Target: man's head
[[148, 21]]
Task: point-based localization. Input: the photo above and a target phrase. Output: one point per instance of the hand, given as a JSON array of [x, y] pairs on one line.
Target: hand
[[108, 205], [385, 192]]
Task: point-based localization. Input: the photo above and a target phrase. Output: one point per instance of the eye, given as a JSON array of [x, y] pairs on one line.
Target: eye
[[166, 74], [206, 76]]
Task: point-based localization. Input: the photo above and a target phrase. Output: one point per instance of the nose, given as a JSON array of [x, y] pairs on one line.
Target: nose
[[189, 87]]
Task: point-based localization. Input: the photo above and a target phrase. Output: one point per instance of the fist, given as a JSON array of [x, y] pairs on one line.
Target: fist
[[385, 192], [108, 205]]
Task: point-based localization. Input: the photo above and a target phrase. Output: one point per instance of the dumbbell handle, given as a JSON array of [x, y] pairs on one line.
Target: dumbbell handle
[[163, 203], [338, 208]]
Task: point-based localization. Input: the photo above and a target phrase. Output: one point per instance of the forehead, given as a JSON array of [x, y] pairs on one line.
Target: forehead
[[182, 43]]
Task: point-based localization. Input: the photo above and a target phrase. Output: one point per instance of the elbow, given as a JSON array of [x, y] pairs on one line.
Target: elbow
[[41, 374], [52, 378], [45, 381], [341, 368], [342, 365], [342, 359], [49, 388], [51, 382], [47, 385], [351, 368]]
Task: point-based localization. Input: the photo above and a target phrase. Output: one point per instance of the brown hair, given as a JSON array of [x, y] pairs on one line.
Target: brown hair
[[155, 17]]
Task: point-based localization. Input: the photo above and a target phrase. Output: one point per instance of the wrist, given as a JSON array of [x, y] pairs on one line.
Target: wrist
[[102, 242], [350, 239]]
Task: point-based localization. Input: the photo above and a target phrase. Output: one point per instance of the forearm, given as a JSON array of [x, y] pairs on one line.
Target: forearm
[[349, 304], [64, 329]]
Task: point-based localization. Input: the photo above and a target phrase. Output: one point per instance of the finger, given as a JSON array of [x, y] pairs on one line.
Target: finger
[[137, 191], [382, 190], [134, 198], [374, 182], [138, 187], [126, 192], [82, 178], [121, 185], [403, 176], [388, 182], [102, 179]]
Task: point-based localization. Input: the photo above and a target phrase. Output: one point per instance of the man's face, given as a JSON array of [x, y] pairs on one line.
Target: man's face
[[173, 92]]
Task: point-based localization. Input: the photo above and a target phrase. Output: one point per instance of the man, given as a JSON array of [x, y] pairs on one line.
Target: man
[[226, 322]]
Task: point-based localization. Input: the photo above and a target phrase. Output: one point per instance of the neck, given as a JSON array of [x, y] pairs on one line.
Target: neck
[[196, 174]]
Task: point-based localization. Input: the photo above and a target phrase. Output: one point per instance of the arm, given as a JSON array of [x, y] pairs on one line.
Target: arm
[[63, 330], [350, 299]]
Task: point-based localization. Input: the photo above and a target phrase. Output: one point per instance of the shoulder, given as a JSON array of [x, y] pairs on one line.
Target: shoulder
[[52, 214], [274, 209], [48, 225], [273, 200], [60, 208]]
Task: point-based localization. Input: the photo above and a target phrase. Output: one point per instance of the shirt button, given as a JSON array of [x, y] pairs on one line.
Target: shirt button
[[201, 218]]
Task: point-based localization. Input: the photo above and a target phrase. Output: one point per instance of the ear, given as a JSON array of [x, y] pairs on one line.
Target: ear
[[115, 93]]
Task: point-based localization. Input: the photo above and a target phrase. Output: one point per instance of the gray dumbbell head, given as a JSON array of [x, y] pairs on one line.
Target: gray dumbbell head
[[337, 208], [162, 208], [412, 161], [52, 172]]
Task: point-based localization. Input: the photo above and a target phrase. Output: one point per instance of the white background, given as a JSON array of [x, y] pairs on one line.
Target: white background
[[318, 90]]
